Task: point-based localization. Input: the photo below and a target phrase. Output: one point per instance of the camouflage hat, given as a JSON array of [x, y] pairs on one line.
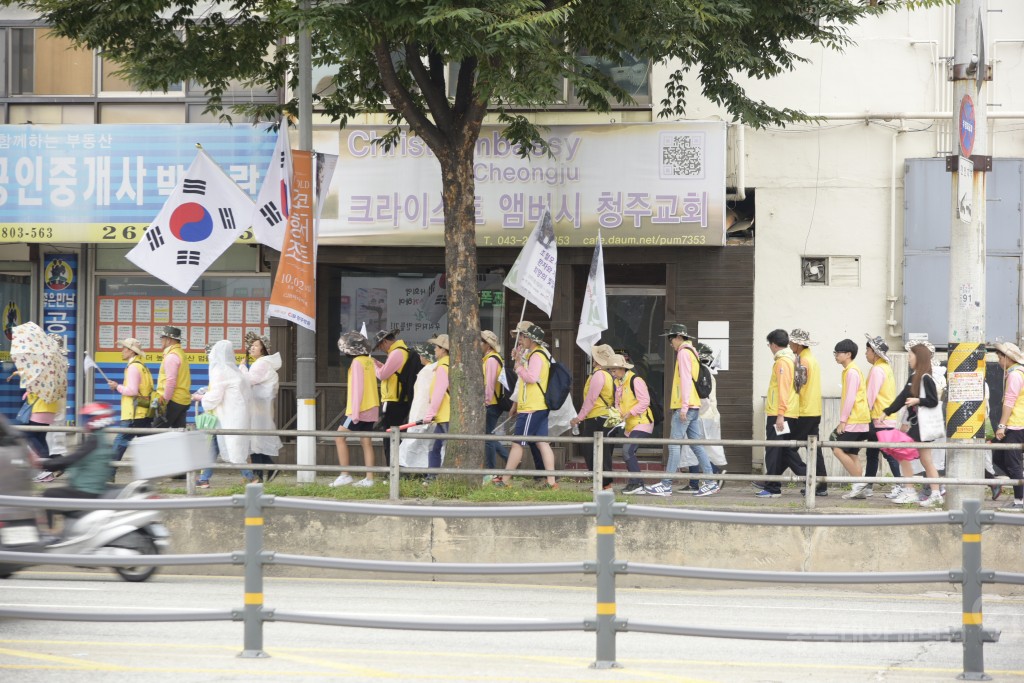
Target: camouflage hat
[[353, 344], [878, 345], [171, 332], [801, 337], [927, 344], [532, 332], [384, 335], [705, 354], [251, 337], [677, 330], [425, 350]]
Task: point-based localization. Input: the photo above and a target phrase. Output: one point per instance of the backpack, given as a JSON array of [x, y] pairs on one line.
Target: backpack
[[504, 395], [703, 382], [407, 376], [559, 384], [657, 410], [799, 375]]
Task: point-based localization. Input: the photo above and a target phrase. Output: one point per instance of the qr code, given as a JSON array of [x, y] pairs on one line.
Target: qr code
[[682, 155]]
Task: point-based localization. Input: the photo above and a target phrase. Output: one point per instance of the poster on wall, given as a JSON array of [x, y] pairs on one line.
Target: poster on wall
[[60, 311], [15, 297]]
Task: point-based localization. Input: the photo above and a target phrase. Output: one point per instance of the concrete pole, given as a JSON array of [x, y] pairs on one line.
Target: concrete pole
[[966, 408], [305, 340]]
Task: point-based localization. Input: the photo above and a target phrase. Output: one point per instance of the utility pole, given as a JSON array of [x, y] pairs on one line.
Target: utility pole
[[965, 409]]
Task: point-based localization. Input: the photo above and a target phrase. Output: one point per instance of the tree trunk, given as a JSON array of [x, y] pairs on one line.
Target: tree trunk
[[466, 370]]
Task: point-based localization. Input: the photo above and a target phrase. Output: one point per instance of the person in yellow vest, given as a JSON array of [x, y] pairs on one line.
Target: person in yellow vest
[[808, 395], [362, 407], [598, 405], [781, 410], [1011, 421], [633, 401], [395, 397], [494, 372], [854, 416], [136, 393], [880, 391], [174, 383], [439, 411]]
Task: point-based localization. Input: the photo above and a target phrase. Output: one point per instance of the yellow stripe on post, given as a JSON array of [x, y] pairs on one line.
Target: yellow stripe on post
[[257, 599], [972, 538], [606, 530], [972, 618], [605, 609], [254, 521], [309, 401]]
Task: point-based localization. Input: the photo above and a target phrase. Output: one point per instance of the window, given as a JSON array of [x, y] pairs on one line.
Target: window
[[629, 73], [45, 64], [112, 82]]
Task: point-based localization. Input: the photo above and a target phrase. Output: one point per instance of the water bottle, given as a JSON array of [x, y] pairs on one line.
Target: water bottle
[[575, 430]]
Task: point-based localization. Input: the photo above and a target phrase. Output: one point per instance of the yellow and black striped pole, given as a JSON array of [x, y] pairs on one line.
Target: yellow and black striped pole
[[965, 418]]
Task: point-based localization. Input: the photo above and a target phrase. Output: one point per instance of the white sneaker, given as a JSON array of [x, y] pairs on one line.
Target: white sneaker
[[931, 501], [342, 480], [363, 483], [895, 493], [859, 491], [906, 496]]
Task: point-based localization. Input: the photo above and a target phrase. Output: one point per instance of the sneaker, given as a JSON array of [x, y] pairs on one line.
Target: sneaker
[[906, 496], [996, 491], [364, 483], [1018, 506], [46, 477], [935, 498], [820, 492], [634, 490], [342, 480], [708, 489], [721, 482], [659, 489], [765, 493], [895, 493], [859, 492], [203, 484]]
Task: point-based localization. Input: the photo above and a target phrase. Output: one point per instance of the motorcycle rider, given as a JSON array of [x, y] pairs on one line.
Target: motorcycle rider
[[88, 467]]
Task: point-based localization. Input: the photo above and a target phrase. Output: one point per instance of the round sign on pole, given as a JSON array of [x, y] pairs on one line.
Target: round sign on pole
[[966, 126]]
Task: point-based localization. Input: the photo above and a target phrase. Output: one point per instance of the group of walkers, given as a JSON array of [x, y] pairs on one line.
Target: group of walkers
[[617, 401]]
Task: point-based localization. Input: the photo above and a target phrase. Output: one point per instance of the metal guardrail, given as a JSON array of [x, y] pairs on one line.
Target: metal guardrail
[[605, 623], [394, 471]]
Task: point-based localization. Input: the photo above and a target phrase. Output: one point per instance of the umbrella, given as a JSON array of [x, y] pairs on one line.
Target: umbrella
[[41, 363]]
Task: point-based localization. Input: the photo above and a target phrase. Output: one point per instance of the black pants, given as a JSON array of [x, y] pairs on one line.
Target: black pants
[[778, 459], [804, 427], [1011, 462], [64, 492], [175, 414], [37, 440], [395, 414], [589, 427], [871, 469], [261, 459]]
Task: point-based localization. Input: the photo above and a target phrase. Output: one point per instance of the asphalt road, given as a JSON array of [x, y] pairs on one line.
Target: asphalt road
[[53, 651]]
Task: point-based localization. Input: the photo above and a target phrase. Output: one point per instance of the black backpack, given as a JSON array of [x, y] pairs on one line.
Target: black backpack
[[559, 384], [504, 395], [703, 383], [657, 410], [407, 376]]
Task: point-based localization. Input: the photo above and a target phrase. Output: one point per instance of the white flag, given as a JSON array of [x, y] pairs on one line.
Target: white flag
[[204, 215], [533, 274], [90, 364], [594, 316], [270, 217], [362, 331]]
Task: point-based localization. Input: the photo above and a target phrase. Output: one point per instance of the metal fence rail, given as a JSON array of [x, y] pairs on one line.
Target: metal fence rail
[[605, 623]]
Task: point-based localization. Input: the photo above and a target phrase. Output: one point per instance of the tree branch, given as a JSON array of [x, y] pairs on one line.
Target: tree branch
[[401, 99], [436, 97], [464, 90]]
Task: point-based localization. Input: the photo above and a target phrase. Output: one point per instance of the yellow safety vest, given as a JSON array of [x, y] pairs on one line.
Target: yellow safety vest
[[887, 394], [499, 390], [628, 400], [389, 387], [677, 391], [606, 399], [371, 399], [859, 414], [137, 407], [531, 396], [810, 393], [771, 406], [183, 389], [444, 410]]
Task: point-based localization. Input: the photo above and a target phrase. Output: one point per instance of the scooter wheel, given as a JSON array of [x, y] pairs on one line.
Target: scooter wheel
[[143, 545]]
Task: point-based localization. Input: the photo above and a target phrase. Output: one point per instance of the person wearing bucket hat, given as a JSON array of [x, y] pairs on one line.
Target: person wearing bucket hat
[[136, 393], [881, 390], [174, 382], [263, 379], [633, 401], [494, 394], [397, 377], [362, 406], [439, 411], [807, 388], [598, 403], [685, 407], [1011, 421], [532, 365]]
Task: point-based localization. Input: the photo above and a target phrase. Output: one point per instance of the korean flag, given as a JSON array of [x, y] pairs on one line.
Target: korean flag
[[204, 215], [272, 206]]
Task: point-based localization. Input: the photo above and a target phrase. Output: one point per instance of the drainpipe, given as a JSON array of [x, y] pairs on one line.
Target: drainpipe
[[891, 297]]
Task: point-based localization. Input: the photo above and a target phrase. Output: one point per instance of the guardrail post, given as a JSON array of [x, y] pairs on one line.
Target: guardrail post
[[973, 632], [252, 613], [605, 581], [811, 485], [393, 481], [598, 462]]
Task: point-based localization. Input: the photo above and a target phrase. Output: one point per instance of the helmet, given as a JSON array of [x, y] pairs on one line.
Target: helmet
[[96, 416]]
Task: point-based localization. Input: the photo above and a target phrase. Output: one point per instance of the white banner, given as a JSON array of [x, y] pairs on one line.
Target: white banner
[[532, 276], [594, 315]]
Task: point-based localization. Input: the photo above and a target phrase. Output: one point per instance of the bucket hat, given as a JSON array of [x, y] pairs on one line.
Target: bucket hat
[[251, 336], [425, 350], [383, 335], [801, 337], [171, 332], [677, 330], [491, 340], [442, 341], [353, 344], [1011, 351], [928, 345], [532, 332], [705, 354], [618, 361], [602, 354], [878, 345], [132, 345]]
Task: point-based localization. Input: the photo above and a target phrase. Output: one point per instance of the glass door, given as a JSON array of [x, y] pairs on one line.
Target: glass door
[[636, 318]]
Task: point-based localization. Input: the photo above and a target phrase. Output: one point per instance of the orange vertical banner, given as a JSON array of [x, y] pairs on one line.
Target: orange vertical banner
[[293, 297]]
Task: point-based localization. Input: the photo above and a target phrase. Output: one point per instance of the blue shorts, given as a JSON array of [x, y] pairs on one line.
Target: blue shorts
[[532, 424]]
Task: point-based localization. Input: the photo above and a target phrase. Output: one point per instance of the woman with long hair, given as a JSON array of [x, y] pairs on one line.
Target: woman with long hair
[[263, 379]]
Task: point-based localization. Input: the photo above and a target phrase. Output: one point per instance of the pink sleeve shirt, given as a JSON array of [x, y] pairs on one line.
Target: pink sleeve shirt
[[356, 379], [593, 394], [530, 373], [491, 370], [437, 395], [1014, 383], [643, 402], [876, 378], [132, 377], [849, 398], [390, 366], [684, 363], [171, 365]]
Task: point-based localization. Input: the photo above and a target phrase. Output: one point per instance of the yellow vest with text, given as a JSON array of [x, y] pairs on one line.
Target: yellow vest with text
[[887, 394], [444, 410], [605, 400], [859, 414], [498, 388], [137, 407], [531, 396], [371, 399], [677, 392], [183, 389], [41, 406], [389, 387], [1017, 414], [810, 393], [629, 400], [771, 405]]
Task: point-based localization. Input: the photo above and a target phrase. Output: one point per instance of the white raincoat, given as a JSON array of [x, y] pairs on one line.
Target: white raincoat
[[229, 398], [415, 452], [263, 380]]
